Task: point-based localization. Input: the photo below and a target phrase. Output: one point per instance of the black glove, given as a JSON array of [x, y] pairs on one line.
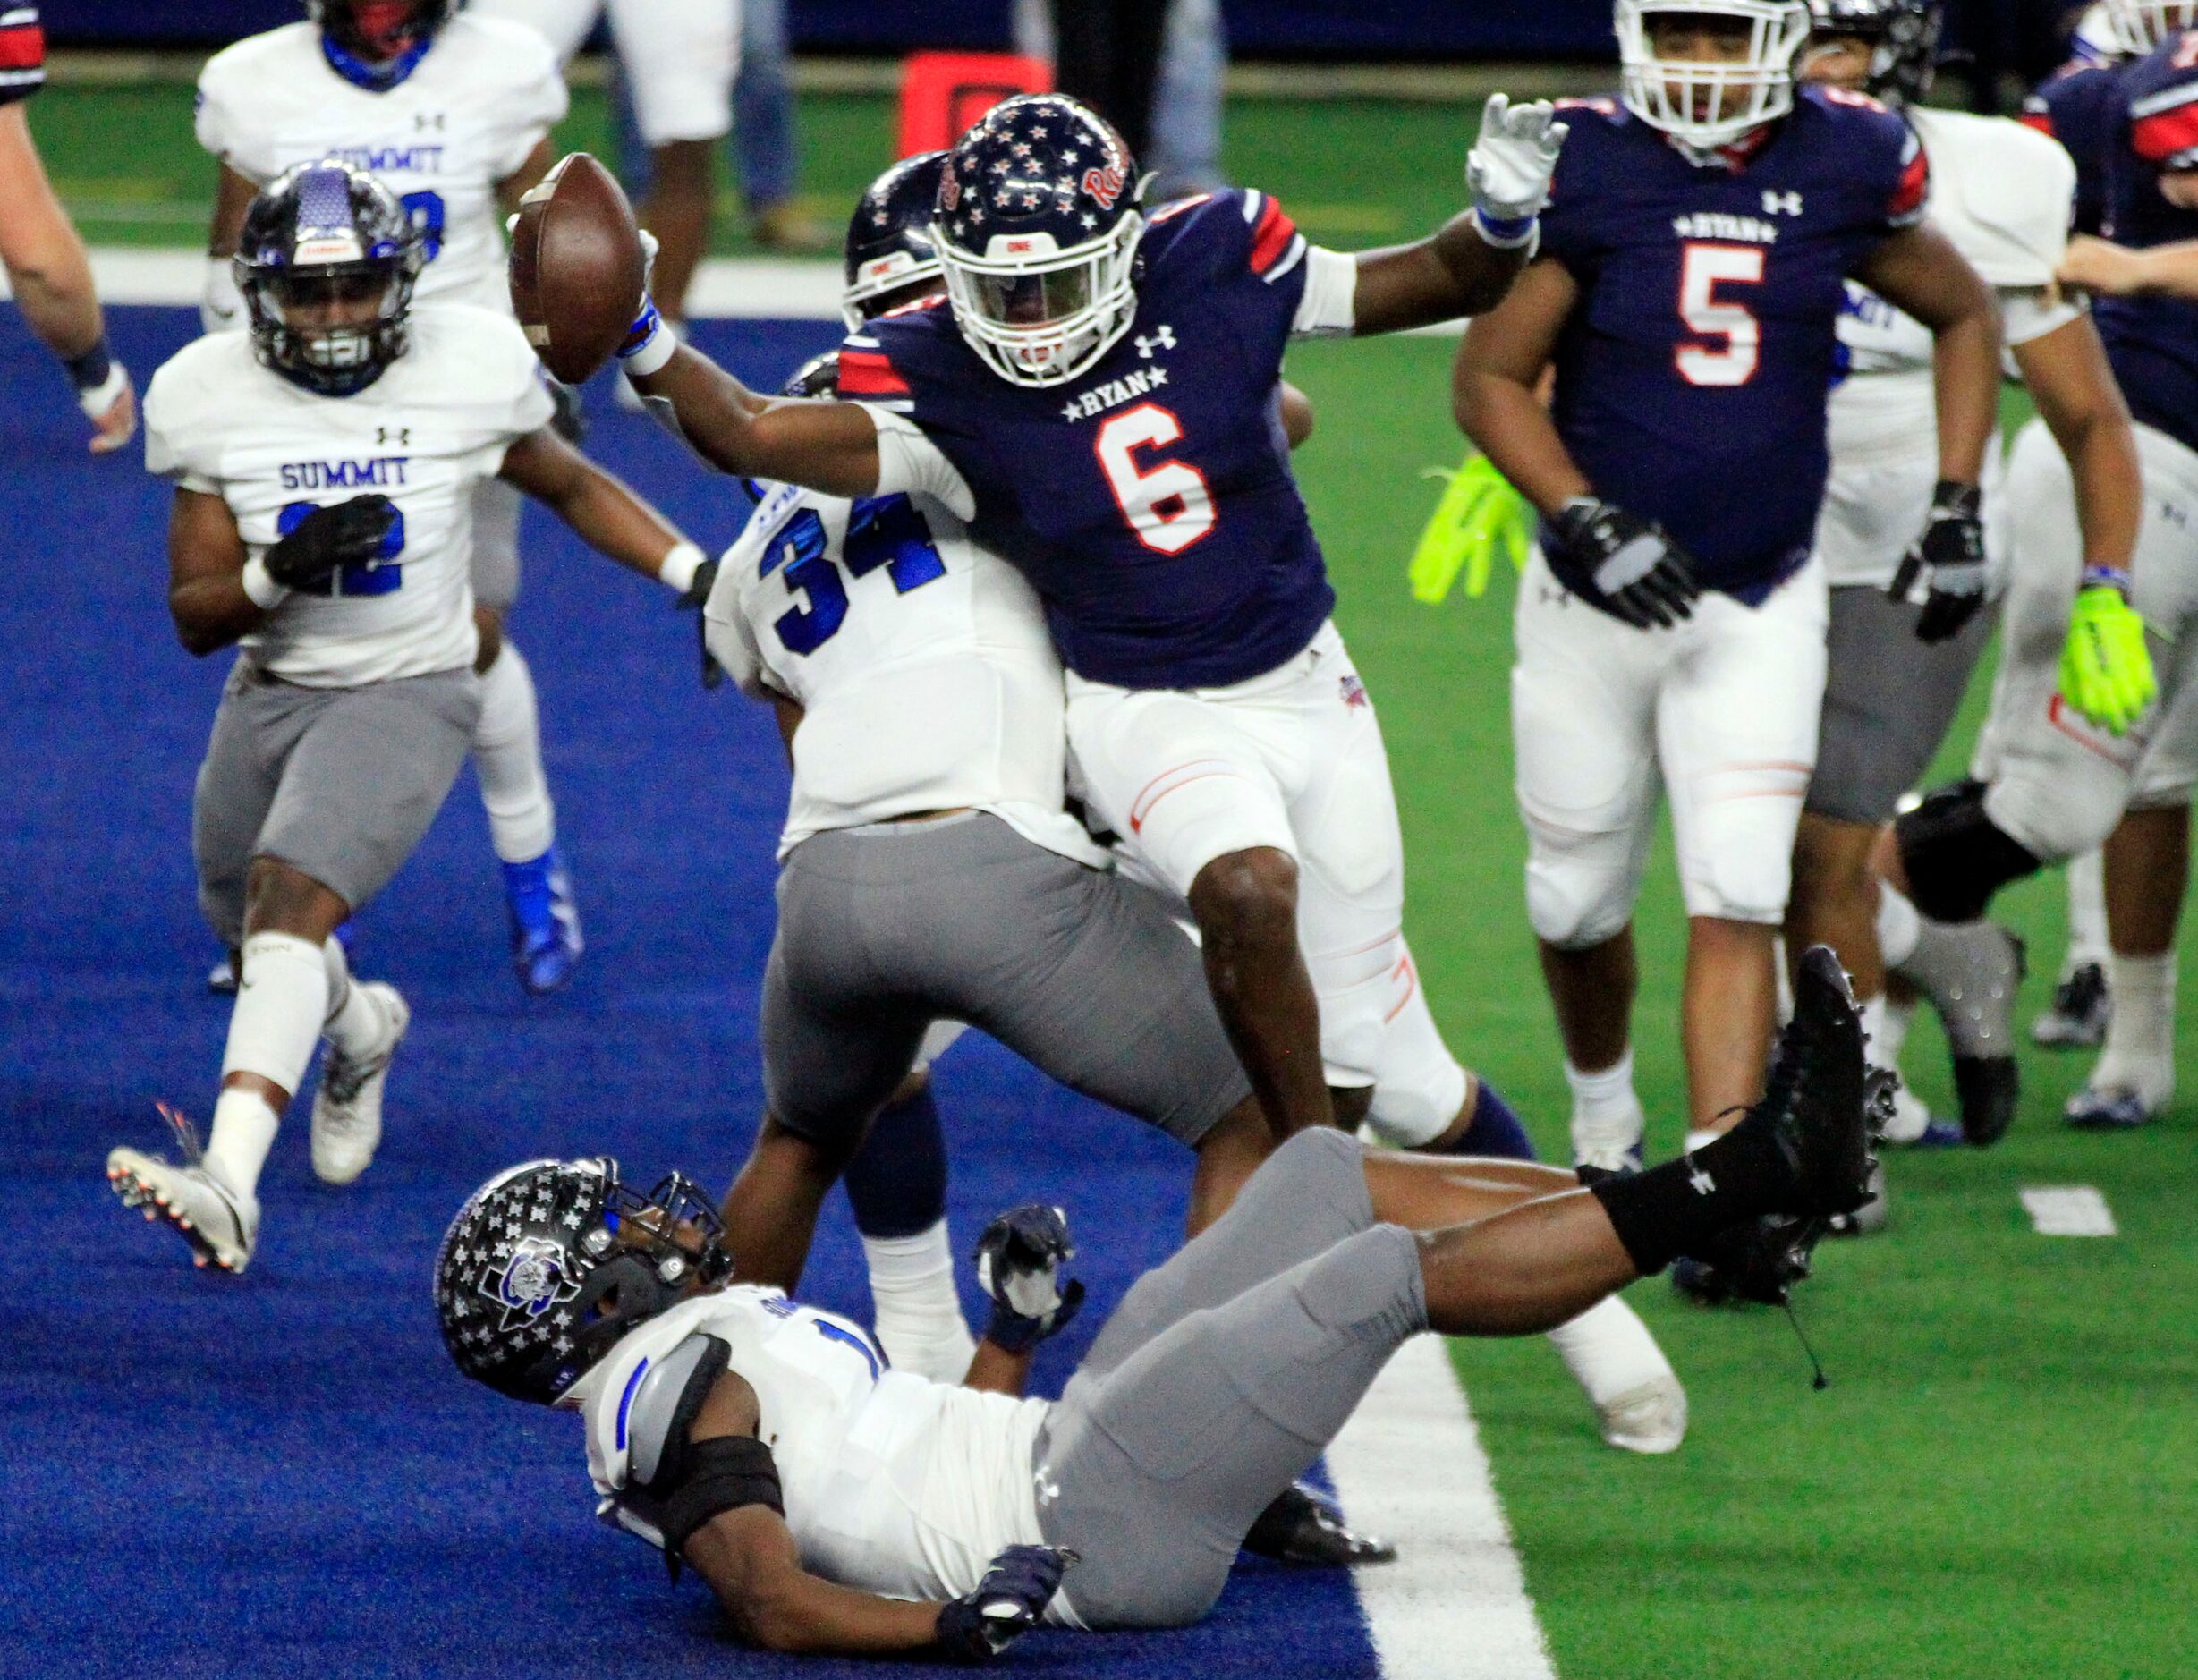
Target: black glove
[[1948, 561], [1019, 1260], [1645, 579], [698, 592], [329, 538], [980, 1626]]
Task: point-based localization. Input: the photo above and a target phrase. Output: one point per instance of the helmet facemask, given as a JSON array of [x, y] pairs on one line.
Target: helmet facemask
[[1705, 103], [2146, 25], [1041, 316], [334, 328]]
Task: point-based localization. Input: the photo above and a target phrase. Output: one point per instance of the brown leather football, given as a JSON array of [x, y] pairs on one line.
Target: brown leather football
[[576, 268]]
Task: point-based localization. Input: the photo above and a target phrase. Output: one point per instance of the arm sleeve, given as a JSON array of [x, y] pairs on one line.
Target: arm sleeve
[[167, 454], [22, 53], [909, 463], [1329, 308]]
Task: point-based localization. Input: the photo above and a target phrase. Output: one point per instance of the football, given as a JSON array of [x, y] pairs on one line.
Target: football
[[577, 271]]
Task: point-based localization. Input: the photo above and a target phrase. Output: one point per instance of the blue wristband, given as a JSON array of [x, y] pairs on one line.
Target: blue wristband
[[1505, 233], [2096, 577], [90, 371]]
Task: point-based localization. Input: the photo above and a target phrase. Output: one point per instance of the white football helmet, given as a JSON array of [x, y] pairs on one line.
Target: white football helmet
[[1693, 100], [2144, 24]]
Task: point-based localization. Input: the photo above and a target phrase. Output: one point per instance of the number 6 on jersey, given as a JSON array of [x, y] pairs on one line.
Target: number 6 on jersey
[[1168, 506]]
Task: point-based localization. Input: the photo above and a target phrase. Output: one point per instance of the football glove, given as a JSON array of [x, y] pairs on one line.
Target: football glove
[[1478, 517], [698, 592], [1019, 1260], [2105, 670], [978, 1625], [329, 538], [1945, 567], [1645, 579], [1509, 167]]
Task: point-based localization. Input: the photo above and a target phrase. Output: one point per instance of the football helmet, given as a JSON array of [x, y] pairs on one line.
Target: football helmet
[[2144, 24], [890, 257], [1037, 227], [375, 43], [816, 376], [1903, 36], [1706, 104], [325, 240], [550, 1262]]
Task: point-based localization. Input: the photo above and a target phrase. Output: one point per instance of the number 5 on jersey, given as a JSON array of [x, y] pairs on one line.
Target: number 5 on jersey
[[1167, 506], [1704, 268]]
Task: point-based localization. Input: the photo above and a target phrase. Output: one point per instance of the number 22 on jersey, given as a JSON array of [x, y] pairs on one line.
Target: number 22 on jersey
[[1710, 313], [881, 531]]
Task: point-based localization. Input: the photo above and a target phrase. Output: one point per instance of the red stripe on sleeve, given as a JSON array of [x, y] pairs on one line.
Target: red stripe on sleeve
[[2042, 119], [1271, 237], [23, 47], [1914, 187], [866, 373], [2167, 135]]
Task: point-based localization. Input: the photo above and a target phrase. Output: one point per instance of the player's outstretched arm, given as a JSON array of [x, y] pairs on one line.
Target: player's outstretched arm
[[1468, 265], [750, 1562], [828, 446], [2102, 267], [1917, 269], [602, 511]]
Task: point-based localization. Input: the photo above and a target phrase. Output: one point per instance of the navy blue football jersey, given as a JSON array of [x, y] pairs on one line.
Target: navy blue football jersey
[[2081, 107], [1151, 501], [1692, 374], [22, 52], [2153, 341]]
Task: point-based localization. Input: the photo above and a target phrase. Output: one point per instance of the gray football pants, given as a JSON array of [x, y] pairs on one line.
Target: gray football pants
[[1218, 1380]]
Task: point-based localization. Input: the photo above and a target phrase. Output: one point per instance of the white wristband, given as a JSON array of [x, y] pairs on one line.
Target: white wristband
[[677, 572], [97, 399], [658, 349], [262, 591]]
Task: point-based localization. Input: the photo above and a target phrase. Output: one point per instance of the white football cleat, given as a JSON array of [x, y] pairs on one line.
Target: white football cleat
[[1640, 1405], [220, 1225], [347, 1108], [1649, 1419]]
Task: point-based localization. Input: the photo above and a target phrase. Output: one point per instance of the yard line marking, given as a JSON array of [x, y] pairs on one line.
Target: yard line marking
[[2068, 1210], [725, 288], [1409, 1467]]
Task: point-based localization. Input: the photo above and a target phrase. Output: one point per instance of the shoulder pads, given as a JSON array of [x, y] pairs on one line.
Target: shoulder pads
[[670, 1394]]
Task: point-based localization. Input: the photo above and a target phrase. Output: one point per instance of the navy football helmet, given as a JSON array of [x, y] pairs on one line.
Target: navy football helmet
[[550, 1262], [375, 43], [326, 262], [890, 257], [816, 376], [1037, 226], [1903, 36]]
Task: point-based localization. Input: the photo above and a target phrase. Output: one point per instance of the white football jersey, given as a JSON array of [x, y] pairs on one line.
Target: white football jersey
[[425, 434], [891, 1482], [921, 664], [2003, 194], [475, 106]]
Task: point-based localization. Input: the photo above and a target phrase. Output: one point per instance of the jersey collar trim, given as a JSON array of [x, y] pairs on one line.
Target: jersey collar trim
[[373, 78]]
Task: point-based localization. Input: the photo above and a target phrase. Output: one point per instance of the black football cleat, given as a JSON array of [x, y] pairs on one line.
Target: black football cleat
[[1757, 1261], [2081, 1008], [1816, 1102], [1300, 1527]]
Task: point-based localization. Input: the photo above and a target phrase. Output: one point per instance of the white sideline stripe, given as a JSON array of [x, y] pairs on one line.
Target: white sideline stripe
[[2069, 1211], [725, 288], [1409, 1468]]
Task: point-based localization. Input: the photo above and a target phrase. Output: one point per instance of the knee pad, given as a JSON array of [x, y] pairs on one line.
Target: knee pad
[[1419, 1087], [1576, 898], [1956, 856]]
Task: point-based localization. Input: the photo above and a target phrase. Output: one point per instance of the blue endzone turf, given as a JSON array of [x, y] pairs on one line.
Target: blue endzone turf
[[282, 1473]]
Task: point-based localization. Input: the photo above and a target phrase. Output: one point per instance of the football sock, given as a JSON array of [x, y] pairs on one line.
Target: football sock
[[896, 1182], [507, 759], [1899, 925], [354, 1025], [1494, 1130], [2139, 1054], [1897, 1018], [243, 1132], [2087, 912], [918, 1312], [1665, 1211], [1607, 1118], [1609, 1351], [274, 1028]]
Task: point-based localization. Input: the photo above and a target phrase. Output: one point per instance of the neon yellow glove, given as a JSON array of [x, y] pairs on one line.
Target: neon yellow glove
[[2106, 671], [1480, 514]]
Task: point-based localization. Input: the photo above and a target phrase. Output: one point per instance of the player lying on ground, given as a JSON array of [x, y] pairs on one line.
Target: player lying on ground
[[1097, 401], [837, 1506], [326, 465], [1671, 629], [2048, 784], [931, 872], [2003, 196], [453, 112]]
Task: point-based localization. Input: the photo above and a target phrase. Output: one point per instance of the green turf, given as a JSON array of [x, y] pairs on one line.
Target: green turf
[[2000, 1481]]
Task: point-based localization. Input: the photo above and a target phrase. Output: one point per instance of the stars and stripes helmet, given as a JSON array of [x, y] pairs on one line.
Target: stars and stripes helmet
[[1707, 104], [376, 42], [2144, 24], [1037, 226], [890, 256], [326, 262], [550, 1262], [816, 376], [1903, 36]]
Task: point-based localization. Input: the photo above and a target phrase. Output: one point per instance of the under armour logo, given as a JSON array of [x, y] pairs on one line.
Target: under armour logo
[[1698, 1180], [401, 436], [1165, 339], [1781, 203]]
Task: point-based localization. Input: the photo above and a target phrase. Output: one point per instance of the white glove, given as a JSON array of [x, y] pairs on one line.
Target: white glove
[[1509, 167], [221, 306]]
